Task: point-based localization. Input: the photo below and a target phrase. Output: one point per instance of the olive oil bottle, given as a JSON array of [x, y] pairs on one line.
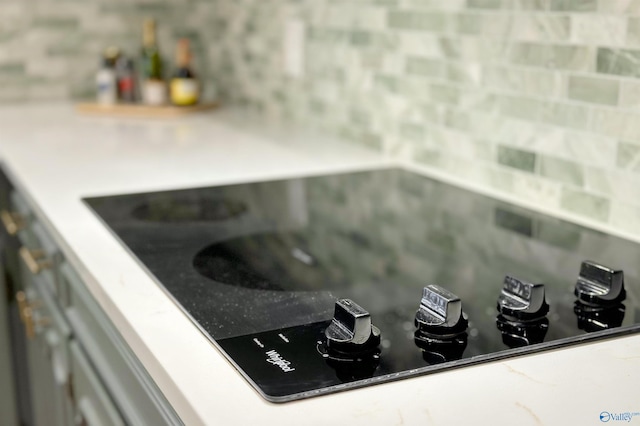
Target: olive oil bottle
[[184, 87]]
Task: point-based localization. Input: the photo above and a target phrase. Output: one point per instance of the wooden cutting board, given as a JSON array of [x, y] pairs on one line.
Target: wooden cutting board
[[146, 111]]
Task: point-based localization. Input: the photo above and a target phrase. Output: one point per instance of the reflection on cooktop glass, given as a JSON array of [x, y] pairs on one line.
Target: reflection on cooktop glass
[[187, 209], [323, 284]]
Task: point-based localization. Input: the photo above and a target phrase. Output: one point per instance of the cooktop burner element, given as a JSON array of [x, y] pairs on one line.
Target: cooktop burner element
[[322, 284]]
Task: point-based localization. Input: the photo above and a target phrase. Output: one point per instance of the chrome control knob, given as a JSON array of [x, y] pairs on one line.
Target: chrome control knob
[[351, 330], [440, 314], [522, 301], [599, 285]]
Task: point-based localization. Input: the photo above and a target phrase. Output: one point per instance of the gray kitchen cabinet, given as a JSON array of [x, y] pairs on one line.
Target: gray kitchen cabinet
[[44, 325], [69, 363]]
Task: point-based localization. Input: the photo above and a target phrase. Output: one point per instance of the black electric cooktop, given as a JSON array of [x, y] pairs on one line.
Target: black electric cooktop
[[322, 284]]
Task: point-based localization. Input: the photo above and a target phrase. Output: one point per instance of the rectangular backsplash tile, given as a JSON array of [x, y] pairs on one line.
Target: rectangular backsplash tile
[[417, 20], [58, 23], [509, 4], [574, 5], [586, 149], [428, 67], [564, 171], [516, 158], [595, 29], [596, 90], [567, 115], [630, 94], [526, 81], [538, 99], [12, 68], [533, 27], [619, 7], [633, 31], [622, 62], [521, 107], [564, 57], [629, 156]]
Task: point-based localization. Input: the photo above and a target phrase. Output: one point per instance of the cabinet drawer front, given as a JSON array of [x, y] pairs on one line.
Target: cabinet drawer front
[[133, 390], [93, 404]]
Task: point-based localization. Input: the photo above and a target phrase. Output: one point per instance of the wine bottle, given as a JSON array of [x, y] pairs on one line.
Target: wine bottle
[[154, 90], [127, 85]]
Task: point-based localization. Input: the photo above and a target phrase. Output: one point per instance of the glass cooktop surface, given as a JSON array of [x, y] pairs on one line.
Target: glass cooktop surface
[[322, 284]]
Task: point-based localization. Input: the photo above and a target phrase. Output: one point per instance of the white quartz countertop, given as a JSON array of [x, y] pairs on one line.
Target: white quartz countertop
[[56, 157]]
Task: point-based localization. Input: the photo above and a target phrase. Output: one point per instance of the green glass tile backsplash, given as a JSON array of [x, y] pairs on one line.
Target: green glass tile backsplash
[[539, 99]]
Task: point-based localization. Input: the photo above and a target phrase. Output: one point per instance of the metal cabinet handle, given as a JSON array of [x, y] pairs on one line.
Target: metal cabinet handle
[[35, 260], [12, 222], [29, 326], [21, 298], [25, 310], [30, 323]]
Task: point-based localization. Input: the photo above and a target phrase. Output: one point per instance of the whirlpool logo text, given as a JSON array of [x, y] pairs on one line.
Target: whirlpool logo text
[[627, 416], [276, 359]]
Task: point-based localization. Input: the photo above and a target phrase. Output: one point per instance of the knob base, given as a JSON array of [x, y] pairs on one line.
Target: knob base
[[351, 335], [439, 350], [598, 318], [350, 350], [516, 334]]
